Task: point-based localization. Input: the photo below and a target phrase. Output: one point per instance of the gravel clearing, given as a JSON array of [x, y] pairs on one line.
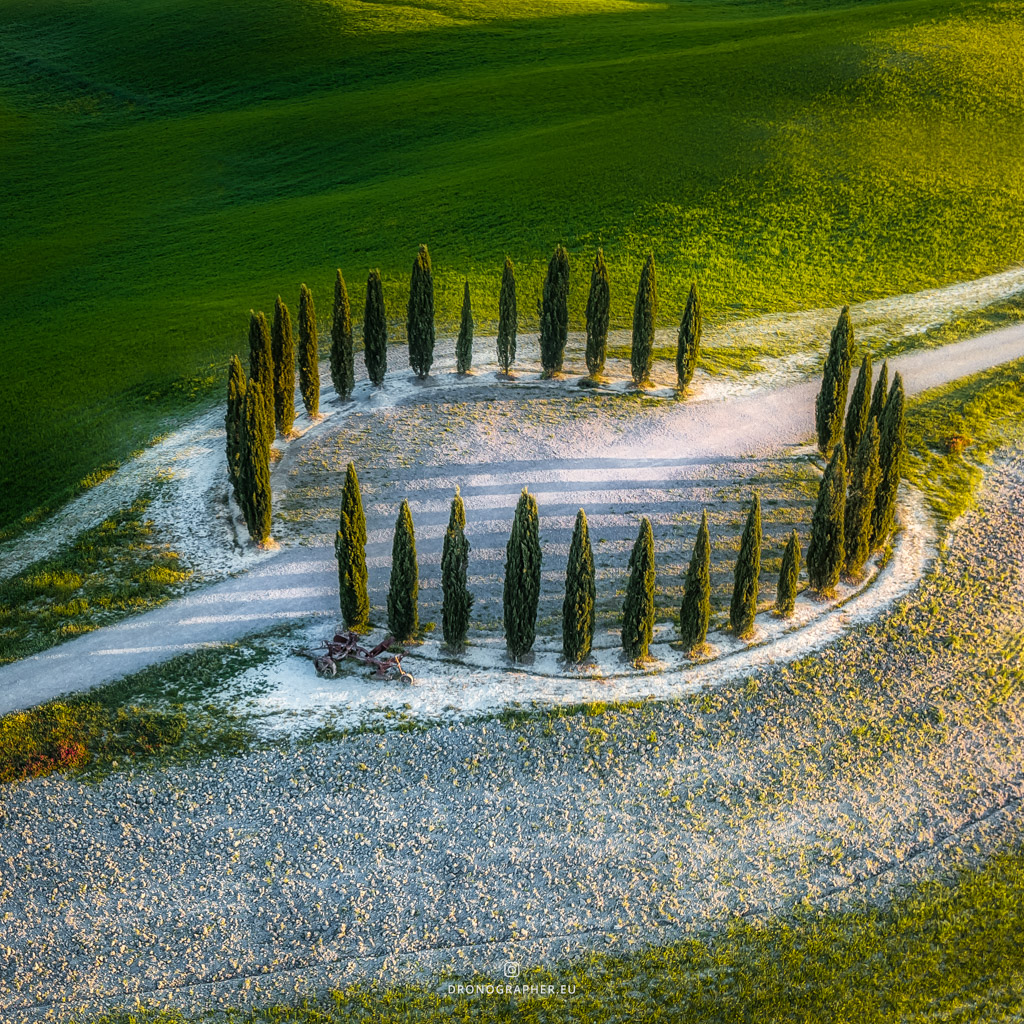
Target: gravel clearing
[[458, 846]]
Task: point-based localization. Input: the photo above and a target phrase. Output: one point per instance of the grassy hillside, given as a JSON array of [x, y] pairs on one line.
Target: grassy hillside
[[169, 164]]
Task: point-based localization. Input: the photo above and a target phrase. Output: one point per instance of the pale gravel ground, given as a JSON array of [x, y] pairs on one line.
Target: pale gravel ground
[[281, 872]]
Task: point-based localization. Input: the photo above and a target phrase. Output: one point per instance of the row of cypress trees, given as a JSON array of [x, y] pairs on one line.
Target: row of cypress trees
[[554, 324]]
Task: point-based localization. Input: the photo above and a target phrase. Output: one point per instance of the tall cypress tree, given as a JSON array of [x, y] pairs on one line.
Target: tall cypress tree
[[343, 360], [598, 304], [789, 577], [892, 442], [645, 312], [831, 401], [350, 551], [580, 594], [403, 593], [746, 579], [860, 502], [522, 577], [554, 317], [464, 345], [827, 550], [457, 601], [309, 354], [695, 610], [254, 470], [688, 344], [508, 318], [234, 422], [282, 345], [638, 608], [261, 368], [880, 394], [375, 330], [858, 413], [419, 321]]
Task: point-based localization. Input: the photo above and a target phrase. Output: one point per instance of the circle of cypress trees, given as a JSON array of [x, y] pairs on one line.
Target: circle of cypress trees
[[522, 577], [350, 551], [688, 342], [456, 601], [831, 401], [860, 501], [375, 330], [859, 412], [554, 318], [638, 607], [508, 318], [826, 551], [789, 577], [746, 578], [403, 592], [598, 304], [309, 354], [892, 442], [419, 321], [234, 422], [283, 350], [645, 312], [464, 344], [261, 368], [580, 595], [343, 368], [695, 609]]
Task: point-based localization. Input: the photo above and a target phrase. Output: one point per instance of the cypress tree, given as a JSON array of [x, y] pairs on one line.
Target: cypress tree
[[580, 594], [831, 402], [522, 577], [350, 550], [282, 344], [688, 344], [638, 608], [403, 593], [880, 394], [598, 303], [254, 470], [746, 579], [860, 501], [826, 551], [375, 330], [343, 362], [860, 405], [457, 601], [695, 610], [309, 354], [261, 368], [892, 441], [419, 321], [789, 577], [464, 345], [554, 317], [234, 422], [645, 312], [508, 318]]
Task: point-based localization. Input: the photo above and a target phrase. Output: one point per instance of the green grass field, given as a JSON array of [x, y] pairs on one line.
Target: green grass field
[[168, 164]]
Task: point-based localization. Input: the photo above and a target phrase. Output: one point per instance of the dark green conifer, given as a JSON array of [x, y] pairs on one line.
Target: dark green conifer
[[309, 354], [350, 550], [747, 576], [261, 368], [464, 345], [892, 442], [880, 394], [645, 312], [638, 608], [522, 577], [419, 321], [580, 595], [598, 304], [835, 382], [343, 360], [234, 422], [695, 610], [789, 577], [860, 501], [554, 317], [508, 318], [282, 345], [688, 344], [254, 471], [858, 413], [826, 551], [403, 593], [457, 601], [375, 330]]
